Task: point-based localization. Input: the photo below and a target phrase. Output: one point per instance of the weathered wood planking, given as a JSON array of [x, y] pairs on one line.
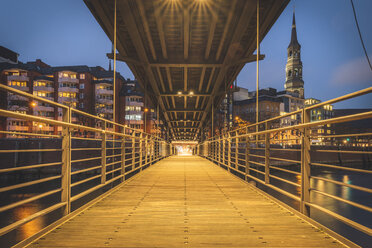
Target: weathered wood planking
[[186, 202]]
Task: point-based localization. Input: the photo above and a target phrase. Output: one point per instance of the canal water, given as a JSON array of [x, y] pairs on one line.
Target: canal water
[[346, 210]]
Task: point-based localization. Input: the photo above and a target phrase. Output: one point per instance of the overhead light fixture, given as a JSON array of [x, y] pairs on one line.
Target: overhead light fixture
[[191, 93]]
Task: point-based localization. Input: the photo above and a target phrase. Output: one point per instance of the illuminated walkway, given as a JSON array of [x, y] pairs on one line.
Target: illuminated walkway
[[186, 202]]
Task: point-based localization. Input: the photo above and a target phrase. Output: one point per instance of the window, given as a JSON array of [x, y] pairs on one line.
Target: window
[[82, 76], [290, 53], [81, 95], [81, 105], [81, 86], [289, 73]]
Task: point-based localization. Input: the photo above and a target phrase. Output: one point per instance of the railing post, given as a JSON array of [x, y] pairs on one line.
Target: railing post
[[247, 147], [66, 161], [305, 164], [267, 155], [236, 150], [123, 155], [103, 154], [219, 150], [228, 138], [146, 148], [133, 149], [141, 152]]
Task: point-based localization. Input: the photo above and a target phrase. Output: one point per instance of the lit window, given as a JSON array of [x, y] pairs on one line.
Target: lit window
[[82, 76]]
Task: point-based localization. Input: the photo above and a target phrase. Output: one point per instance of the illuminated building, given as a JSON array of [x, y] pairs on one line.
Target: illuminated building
[[322, 113], [89, 89]]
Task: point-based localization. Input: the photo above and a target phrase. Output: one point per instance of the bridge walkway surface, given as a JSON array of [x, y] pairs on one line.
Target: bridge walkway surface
[[186, 201]]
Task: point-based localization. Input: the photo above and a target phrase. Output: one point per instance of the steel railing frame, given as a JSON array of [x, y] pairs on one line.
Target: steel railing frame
[[252, 165], [124, 152]]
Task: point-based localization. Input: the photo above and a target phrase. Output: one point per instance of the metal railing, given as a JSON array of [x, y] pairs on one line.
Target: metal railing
[[282, 159], [75, 163]]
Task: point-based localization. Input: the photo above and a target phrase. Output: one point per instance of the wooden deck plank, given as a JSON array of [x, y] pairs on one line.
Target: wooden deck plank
[[186, 202]]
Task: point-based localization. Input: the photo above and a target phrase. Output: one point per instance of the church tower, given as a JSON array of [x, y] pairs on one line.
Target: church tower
[[293, 69]]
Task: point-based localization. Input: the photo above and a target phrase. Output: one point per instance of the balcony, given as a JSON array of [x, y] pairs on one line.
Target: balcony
[[105, 101], [17, 98], [104, 92], [17, 108], [66, 99], [68, 89], [134, 122], [44, 88], [43, 108], [22, 88], [17, 128], [42, 129], [18, 78], [104, 111], [133, 103], [68, 80]]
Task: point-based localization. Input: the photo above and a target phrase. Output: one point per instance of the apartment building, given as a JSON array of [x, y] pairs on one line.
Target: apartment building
[[89, 89]]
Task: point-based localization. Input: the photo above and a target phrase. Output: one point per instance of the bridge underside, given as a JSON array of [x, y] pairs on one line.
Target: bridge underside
[[186, 202], [186, 53]]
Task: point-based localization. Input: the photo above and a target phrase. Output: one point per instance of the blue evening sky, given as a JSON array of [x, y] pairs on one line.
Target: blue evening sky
[[63, 32]]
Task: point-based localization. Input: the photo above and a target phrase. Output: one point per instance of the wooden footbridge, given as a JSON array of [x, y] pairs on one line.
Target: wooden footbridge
[[108, 185], [186, 201]]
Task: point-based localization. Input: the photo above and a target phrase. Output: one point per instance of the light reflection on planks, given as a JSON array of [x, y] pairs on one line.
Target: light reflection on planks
[[186, 202]]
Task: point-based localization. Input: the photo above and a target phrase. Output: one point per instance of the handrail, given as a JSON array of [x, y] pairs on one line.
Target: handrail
[[116, 155], [291, 165]]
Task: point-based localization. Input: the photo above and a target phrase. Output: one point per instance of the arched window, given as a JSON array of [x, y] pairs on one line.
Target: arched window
[[289, 73], [290, 53], [296, 72], [296, 54]]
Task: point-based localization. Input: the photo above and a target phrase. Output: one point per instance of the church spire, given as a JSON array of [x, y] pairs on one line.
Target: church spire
[[294, 82], [294, 41]]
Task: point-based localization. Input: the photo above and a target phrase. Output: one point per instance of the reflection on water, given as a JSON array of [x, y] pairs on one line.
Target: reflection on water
[[345, 193], [31, 227]]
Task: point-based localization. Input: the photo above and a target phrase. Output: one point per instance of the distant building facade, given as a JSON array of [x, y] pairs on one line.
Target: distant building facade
[[89, 89]]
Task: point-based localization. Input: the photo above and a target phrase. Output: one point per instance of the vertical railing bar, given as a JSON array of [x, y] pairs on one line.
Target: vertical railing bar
[[123, 156], [305, 164], [247, 146], [66, 162], [103, 154], [267, 155]]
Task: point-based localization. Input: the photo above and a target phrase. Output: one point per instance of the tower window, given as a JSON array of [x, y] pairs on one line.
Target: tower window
[[290, 53], [296, 72], [289, 73]]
